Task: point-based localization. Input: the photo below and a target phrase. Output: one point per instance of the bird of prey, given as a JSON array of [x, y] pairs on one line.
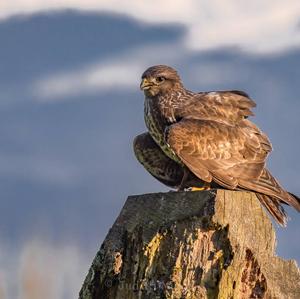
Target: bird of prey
[[205, 139]]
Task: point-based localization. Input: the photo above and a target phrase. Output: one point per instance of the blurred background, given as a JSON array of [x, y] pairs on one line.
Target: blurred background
[[70, 106]]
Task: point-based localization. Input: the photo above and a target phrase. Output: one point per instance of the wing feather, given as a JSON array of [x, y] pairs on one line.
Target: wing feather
[[223, 106], [216, 151], [149, 154]]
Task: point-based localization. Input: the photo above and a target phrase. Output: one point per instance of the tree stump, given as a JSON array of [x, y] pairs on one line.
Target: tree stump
[[207, 244]]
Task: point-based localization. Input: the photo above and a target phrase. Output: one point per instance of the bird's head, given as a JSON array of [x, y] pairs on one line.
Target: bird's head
[[159, 79]]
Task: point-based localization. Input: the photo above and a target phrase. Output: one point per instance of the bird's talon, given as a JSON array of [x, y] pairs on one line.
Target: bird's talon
[[197, 189], [205, 187]]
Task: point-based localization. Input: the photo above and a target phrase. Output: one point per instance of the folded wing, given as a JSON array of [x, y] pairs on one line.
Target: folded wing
[[219, 152]]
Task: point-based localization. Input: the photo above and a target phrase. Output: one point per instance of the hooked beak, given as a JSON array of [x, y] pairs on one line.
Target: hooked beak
[[145, 84]]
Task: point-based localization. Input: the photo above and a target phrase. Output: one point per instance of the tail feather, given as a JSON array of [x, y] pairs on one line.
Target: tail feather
[[274, 208], [297, 199], [271, 194]]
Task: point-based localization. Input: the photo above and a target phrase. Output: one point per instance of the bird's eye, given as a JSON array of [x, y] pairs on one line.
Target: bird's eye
[[160, 79]]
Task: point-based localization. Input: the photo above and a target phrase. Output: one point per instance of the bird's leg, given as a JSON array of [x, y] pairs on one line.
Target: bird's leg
[[184, 177], [206, 186]]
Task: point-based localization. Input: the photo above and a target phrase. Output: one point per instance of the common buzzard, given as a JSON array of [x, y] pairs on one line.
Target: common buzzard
[[198, 140]]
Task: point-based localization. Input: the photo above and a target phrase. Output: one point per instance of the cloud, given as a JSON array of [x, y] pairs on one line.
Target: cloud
[[117, 73], [98, 77], [255, 26]]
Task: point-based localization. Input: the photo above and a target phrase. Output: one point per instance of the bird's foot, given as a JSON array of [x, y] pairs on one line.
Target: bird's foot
[[197, 189], [205, 187]]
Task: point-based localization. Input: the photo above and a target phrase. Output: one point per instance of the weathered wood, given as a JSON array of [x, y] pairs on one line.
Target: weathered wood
[[210, 244]]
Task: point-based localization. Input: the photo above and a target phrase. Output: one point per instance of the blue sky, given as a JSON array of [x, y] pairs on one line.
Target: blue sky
[[70, 107]]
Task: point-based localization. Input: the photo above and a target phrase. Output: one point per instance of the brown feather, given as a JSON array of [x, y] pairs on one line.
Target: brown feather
[[222, 106], [274, 208], [215, 151], [268, 185]]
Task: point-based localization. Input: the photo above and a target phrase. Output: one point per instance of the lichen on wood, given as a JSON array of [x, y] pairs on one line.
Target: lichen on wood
[[209, 244]]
